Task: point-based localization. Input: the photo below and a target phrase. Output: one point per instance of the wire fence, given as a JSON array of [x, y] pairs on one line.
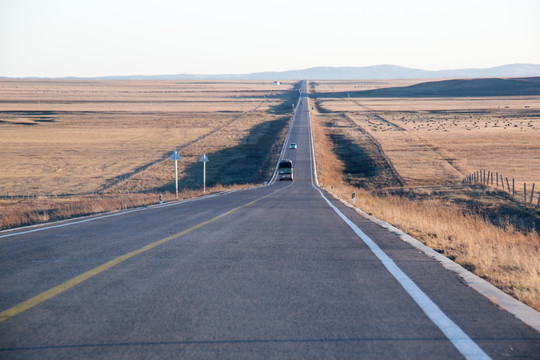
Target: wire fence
[[494, 179]]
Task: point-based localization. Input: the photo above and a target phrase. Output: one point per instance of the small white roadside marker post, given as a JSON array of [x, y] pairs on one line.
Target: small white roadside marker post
[[204, 160], [176, 156]]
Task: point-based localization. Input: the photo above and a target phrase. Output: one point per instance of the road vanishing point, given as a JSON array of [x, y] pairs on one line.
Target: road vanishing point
[[282, 271]]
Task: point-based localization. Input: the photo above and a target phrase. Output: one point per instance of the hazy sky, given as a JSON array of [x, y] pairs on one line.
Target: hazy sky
[[115, 37]]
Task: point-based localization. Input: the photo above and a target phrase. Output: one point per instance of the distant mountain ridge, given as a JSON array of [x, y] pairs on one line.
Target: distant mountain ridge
[[387, 72], [529, 86], [376, 72]]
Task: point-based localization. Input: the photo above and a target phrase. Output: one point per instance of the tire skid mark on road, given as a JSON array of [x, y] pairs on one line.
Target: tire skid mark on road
[[46, 295]]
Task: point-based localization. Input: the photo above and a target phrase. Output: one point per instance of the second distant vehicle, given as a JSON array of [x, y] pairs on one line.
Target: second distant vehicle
[[293, 146]]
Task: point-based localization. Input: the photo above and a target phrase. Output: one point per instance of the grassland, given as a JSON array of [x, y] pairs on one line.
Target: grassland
[[74, 148], [406, 157], [80, 147]]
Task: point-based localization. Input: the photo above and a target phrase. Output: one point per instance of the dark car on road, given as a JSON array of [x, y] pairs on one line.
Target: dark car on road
[[285, 170]]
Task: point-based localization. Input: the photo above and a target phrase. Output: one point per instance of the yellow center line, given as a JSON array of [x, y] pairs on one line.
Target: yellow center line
[[46, 295]]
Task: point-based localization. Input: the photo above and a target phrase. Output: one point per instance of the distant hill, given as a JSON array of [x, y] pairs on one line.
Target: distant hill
[[377, 72], [386, 72], [455, 88]]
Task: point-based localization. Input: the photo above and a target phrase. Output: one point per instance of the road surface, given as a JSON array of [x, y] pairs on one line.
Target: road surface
[[282, 271]]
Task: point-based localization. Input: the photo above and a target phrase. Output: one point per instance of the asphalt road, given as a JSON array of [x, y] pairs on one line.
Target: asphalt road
[[268, 273]]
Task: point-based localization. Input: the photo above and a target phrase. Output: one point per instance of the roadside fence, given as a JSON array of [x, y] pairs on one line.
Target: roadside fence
[[494, 179]]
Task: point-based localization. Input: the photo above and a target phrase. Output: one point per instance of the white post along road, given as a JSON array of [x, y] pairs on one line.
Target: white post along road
[[282, 271]]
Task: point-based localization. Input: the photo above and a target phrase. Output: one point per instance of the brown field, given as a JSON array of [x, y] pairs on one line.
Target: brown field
[[81, 147], [406, 157], [349, 86], [448, 137], [79, 138]]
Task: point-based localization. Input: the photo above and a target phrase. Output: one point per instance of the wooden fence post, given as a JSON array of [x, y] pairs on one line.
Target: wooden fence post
[[507, 185], [513, 187], [524, 192], [497, 178], [532, 193]]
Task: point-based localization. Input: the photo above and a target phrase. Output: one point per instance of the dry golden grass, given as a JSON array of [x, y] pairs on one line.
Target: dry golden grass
[[432, 142], [506, 105], [114, 137], [507, 258], [80, 152], [89, 133], [450, 138], [134, 96], [344, 86], [27, 211]]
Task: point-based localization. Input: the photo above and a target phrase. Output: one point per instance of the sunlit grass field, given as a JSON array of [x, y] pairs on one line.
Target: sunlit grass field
[[432, 144], [82, 138]]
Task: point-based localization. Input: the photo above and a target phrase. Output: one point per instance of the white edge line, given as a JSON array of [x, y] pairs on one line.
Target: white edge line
[[69, 222], [463, 343], [515, 307]]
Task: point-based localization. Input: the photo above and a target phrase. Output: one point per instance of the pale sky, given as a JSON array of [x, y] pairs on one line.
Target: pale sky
[[56, 38]]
